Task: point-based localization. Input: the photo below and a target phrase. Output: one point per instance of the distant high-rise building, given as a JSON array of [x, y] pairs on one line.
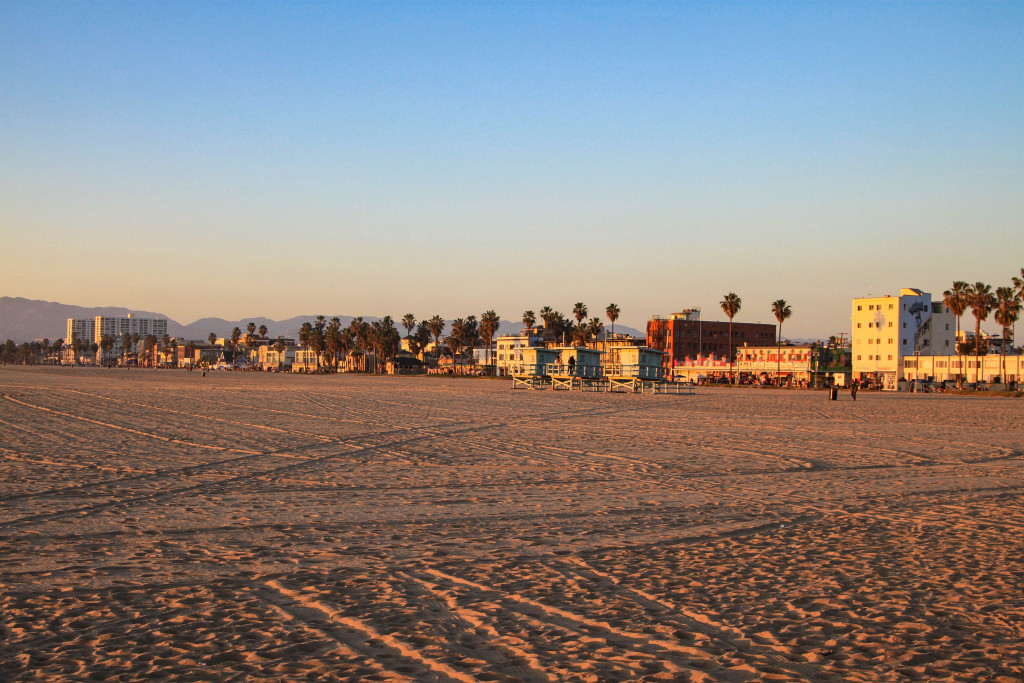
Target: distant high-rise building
[[93, 329]]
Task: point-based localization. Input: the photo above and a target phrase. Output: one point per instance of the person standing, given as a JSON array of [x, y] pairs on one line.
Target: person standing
[[853, 389]]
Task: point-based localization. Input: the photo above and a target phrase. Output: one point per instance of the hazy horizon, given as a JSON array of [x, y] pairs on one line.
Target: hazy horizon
[[211, 160]]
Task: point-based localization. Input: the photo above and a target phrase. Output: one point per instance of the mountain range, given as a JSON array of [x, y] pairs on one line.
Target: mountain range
[[27, 319]]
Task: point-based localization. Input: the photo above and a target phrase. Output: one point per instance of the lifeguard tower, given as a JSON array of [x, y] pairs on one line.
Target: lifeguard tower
[[576, 367], [639, 370], [533, 372]]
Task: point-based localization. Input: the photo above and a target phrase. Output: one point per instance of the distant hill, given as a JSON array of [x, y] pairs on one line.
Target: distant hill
[[28, 319]]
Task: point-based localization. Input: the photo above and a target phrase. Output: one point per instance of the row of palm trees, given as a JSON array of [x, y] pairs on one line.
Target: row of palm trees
[[1005, 302], [731, 304]]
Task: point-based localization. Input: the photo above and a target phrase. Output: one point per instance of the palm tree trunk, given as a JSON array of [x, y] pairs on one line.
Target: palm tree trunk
[[977, 354], [732, 372]]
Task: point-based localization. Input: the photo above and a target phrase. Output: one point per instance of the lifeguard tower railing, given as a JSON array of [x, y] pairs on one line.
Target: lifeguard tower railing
[[572, 369], [654, 373]]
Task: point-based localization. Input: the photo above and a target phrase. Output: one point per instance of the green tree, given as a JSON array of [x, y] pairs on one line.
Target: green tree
[[613, 314], [579, 311], [409, 323], [489, 322], [781, 310], [149, 344], [547, 316], [236, 336], [263, 331], [529, 319], [956, 300], [106, 344], [305, 337], [595, 328], [436, 326], [731, 306], [456, 340], [1008, 308], [279, 347], [982, 301], [126, 347]]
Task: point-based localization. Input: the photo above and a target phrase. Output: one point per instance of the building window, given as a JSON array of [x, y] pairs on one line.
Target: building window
[[890, 324], [904, 342], [871, 341], [890, 357], [858, 324], [904, 326], [890, 306], [859, 308], [871, 324]]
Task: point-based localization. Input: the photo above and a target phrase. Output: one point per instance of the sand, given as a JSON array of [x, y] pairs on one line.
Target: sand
[[270, 527]]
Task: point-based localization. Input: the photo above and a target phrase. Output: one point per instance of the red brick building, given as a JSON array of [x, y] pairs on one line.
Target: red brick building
[[684, 334]]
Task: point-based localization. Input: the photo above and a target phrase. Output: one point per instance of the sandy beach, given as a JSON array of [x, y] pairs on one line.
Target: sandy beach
[[275, 527]]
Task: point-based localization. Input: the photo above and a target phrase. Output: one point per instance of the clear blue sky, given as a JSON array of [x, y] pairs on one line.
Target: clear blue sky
[[240, 159]]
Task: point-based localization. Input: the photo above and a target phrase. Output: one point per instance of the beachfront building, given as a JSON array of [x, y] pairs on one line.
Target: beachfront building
[[269, 358], [509, 348], [887, 329], [688, 341], [304, 360], [93, 329], [986, 369]]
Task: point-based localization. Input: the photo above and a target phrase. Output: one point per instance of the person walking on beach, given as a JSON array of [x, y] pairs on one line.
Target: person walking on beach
[[853, 389]]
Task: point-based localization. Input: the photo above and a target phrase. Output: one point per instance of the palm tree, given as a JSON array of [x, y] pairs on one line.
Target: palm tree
[[250, 343], [126, 347], [1018, 286], [1008, 308], [236, 334], [436, 326], [489, 321], [150, 342], [731, 306], [529, 319], [955, 300], [456, 338], [781, 310], [106, 343], [595, 327], [613, 314], [409, 323], [982, 301], [263, 331], [579, 311], [279, 347], [546, 314]]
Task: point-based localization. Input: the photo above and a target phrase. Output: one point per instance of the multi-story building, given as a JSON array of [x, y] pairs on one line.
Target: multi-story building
[[685, 335], [93, 329], [82, 329], [508, 349], [887, 329]]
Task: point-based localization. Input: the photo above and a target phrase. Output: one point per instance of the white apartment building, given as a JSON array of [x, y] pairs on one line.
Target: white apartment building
[[93, 329], [81, 329], [887, 329], [508, 349]]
